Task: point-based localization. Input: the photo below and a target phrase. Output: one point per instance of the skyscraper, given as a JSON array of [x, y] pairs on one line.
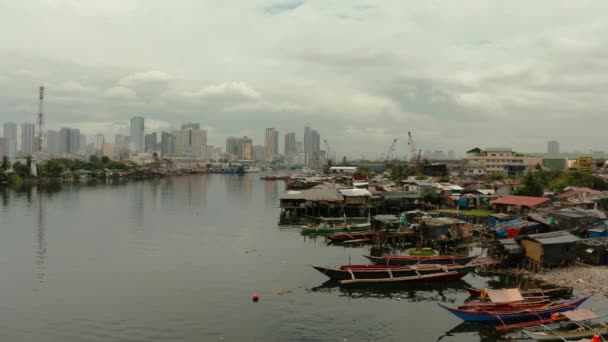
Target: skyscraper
[[259, 153], [271, 143], [307, 145], [191, 141], [74, 141], [10, 134], [82, 144], [121, 146], [290, 143], [3, 147], [28, 138], [232, 147], [151, 142], [553, 146], [137, 134], [246, 148], [69, 141], [99, 141], [52, 142], [167, 144]]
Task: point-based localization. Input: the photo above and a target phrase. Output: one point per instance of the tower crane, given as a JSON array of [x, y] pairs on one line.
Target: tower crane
[[391, 151], [328, 155]]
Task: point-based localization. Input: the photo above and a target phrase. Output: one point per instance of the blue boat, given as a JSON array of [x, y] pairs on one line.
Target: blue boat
[[511, 316]]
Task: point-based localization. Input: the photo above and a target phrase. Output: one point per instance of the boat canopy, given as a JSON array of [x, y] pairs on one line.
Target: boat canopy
[[580, 315], [504, 295]]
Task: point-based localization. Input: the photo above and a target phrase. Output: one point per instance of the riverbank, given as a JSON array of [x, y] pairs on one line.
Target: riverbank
[[582, 278]]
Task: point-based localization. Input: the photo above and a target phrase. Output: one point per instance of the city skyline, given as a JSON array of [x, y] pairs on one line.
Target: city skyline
[[400, 73]]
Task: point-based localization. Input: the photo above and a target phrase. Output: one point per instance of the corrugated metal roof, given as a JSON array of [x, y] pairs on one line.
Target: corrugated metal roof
[[355, 192], [313, 195], [551, 238], [486, 191], [517, 223], [524, 201]]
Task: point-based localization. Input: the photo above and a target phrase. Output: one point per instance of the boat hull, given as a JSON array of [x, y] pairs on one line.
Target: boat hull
[[533, 314], [528, 293], [414, 260], [565, 335], [437, 276], [380, 272], [333, 230]]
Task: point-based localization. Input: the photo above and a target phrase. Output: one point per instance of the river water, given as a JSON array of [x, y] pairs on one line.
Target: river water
[[178, 259]]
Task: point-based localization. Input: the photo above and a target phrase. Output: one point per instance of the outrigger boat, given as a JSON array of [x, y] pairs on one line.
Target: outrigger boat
[[325, 228], [579, 326], [552, 292], [382, 271], [484, 315], [453, 275], [413, 260]]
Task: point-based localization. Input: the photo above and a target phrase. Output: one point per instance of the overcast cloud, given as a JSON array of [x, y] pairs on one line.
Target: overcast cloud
[[458, 74]]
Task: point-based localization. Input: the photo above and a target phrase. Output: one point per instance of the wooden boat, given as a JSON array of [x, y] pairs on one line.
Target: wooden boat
[[383, 271], [325, 228], [510, 316], [273, 178], [347, 236], [413, 260], [453, 275], [531, 323], [557, 291], [578, 327], [508, 306]]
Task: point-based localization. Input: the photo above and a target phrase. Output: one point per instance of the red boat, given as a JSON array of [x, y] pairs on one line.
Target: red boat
[[507, 306], [368, 234], [388, 271], [558, 291]]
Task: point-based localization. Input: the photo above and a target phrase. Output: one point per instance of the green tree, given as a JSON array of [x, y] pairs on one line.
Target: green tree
[[6, 164], [401, 171], [105, 159], [28, 163], [578, 178], [496, 176], [20, 169], [94, 159], [532, 187]]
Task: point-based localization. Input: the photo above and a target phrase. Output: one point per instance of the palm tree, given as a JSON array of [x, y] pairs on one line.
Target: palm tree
[[6, 164]]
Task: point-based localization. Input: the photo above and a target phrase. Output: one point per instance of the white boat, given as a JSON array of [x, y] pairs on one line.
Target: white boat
[[252, 169], [578, 327]]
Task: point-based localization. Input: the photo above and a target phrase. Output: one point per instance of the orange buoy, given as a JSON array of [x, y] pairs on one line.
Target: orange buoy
[[255, 297]]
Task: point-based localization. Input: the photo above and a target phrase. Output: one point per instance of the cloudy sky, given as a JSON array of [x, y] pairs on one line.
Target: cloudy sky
[[458, 74]]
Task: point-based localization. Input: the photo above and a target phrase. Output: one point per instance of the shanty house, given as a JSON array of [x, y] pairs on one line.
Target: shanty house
[[519, 204], [315, 202], [549, 249]]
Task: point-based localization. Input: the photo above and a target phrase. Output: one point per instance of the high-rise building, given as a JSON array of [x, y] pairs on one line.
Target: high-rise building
[[259, 153], [290, 143], [82, 145], [190, 125], [75, 141], [28, 138], [137, 134], [69, 141], [99, 141], [316, 147], [246, 146], [107, 150], [167, 144], [271, 143], [191, 142], [3, 147], [121, 146], [232, 147], [553, 146], [10, 134], [151, 142], [52, 142]]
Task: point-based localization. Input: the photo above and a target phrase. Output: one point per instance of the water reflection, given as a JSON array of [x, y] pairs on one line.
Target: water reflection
[[485, 332], [446, 291], [41, 251], [271, 192]]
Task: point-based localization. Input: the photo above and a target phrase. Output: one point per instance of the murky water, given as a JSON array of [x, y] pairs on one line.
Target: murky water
[[178, 259]]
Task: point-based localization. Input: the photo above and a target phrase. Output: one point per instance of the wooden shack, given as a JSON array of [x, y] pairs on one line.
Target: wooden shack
[[592, 251], [549, 249]]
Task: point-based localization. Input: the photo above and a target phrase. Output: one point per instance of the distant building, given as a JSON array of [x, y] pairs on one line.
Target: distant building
[[271, 143], [190, 125], [52, 142], [245, 148], [214, 153], [498, 160], [69, 141], [150, 142], [191, 142], [3, 147], [137, 142], [28, 138], [82, 145], [107, 150], [167, 144], [259, 153], [451, 155], [10, 134], [553, 146], [99, 141], [121, 147], [232, 147], [312, 146], [290, 143]]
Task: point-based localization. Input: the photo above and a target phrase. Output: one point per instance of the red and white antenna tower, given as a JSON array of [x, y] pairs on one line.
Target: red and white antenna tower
[[41, 133]]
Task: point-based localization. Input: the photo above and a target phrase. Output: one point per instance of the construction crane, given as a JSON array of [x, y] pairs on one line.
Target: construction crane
[[390, 154], [328, 154], [412, 145]]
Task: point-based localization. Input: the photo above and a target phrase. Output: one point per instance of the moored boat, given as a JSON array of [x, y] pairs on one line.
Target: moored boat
[[325, 228], [413, 260], [347, 236], [436, 276], [578, 326], [552, 292], [382, 271], [509, 316]]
